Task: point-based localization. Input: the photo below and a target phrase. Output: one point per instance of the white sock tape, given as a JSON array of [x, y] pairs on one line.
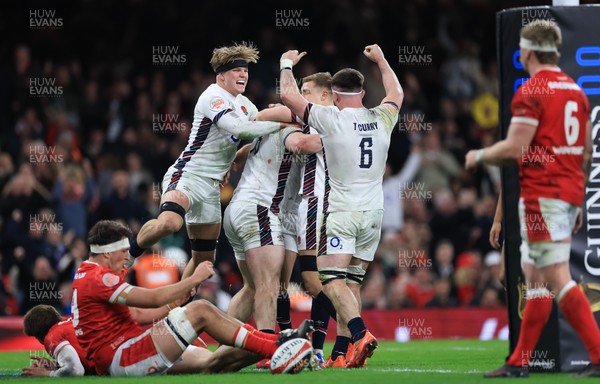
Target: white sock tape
[[563, 292], [112, 247]]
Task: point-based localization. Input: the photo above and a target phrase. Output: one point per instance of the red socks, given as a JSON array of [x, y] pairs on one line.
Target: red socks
[[576, 308], [537, 312], [250, 341], [262, 335]]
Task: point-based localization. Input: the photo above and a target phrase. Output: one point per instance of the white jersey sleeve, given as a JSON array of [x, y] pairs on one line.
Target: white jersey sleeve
[[321, 118]]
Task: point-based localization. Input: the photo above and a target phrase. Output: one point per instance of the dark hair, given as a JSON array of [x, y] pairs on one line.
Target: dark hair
[[347, 80], [39, 319], [321, 80], [106, 232]]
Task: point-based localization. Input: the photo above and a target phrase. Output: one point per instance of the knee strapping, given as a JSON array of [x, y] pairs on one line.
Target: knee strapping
[[180, 327], [329, 274], [172, 207], [355, 274], [202, 245]]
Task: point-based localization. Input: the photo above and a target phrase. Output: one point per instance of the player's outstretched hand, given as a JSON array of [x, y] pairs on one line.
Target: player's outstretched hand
[[293, 55], [374, 53], [204, 271], [470, 162], [36, 371]]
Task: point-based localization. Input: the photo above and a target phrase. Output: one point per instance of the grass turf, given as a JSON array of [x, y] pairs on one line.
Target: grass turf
[[435, 361]]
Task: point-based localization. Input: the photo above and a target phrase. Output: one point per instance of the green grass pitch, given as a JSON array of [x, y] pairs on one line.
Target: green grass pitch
[[436, 361]]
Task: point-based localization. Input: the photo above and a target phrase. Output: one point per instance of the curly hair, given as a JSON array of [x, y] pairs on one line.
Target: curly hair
[[245, 51]]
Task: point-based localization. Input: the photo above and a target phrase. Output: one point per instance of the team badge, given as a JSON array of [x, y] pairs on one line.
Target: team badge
[[244, 110], [110, 280]]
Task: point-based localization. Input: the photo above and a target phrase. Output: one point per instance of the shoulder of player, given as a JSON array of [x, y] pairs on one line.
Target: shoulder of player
[[214, 98]]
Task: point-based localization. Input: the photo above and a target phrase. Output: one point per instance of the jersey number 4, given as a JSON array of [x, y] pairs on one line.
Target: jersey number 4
[[366, 154]]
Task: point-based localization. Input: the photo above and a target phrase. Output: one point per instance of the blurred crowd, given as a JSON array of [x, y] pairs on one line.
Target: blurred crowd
[[94, 142]]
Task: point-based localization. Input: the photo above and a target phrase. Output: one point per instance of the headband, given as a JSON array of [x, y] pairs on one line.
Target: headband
[[112, 247], [232, 64], [528, 44], [347, 93]]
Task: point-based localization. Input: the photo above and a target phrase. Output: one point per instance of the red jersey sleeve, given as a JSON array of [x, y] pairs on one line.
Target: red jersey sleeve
[[56, 338], [525, 107], [109, 286]]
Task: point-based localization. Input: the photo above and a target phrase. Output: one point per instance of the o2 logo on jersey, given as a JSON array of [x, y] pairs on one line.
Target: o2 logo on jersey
[[335, 242], [585, 56]]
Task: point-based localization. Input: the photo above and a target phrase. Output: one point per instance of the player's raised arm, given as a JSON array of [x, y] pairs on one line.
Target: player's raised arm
[[393, 89], [290, 94]]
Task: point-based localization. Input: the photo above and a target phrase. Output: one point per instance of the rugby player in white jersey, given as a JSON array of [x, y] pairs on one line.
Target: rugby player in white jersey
[[356, 141], [191, 192], [252, 225], [300, 225]]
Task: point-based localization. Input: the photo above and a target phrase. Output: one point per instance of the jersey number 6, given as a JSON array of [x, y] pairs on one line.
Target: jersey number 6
[[366, 154]]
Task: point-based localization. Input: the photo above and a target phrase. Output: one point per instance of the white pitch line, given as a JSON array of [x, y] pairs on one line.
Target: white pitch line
[[425, 370]]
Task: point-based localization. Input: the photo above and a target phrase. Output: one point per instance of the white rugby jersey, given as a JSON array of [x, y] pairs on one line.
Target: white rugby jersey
[[312, 173], [220, 121], [356, 141], [266, 171]]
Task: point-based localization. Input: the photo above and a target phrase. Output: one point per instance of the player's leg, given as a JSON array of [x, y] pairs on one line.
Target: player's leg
[[183, 324], [193, 360], [284, 319], [242, 303], [203, 241], [173, 207], [574, 305], [367, 241], [264, 264], [203, 222]]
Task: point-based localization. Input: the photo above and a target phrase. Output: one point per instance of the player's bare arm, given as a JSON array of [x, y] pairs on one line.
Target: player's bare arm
[[278, 113], [248, 130], [290, 94], [393, 89], [497, 224], [299, 142], [504, 152], [157, 297]]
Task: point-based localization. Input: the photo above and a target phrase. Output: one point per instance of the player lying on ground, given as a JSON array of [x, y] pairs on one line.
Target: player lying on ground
[[109, 331], [59, 340]]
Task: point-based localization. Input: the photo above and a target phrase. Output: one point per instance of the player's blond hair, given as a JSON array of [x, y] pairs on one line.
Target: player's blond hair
[[321, 79], [543, 32], [245, 51]]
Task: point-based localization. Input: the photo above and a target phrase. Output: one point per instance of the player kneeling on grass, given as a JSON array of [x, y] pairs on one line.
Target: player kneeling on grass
[[109, 330]]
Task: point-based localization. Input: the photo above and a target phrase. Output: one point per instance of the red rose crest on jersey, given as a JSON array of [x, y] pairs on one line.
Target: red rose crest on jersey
[[244, 110]]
